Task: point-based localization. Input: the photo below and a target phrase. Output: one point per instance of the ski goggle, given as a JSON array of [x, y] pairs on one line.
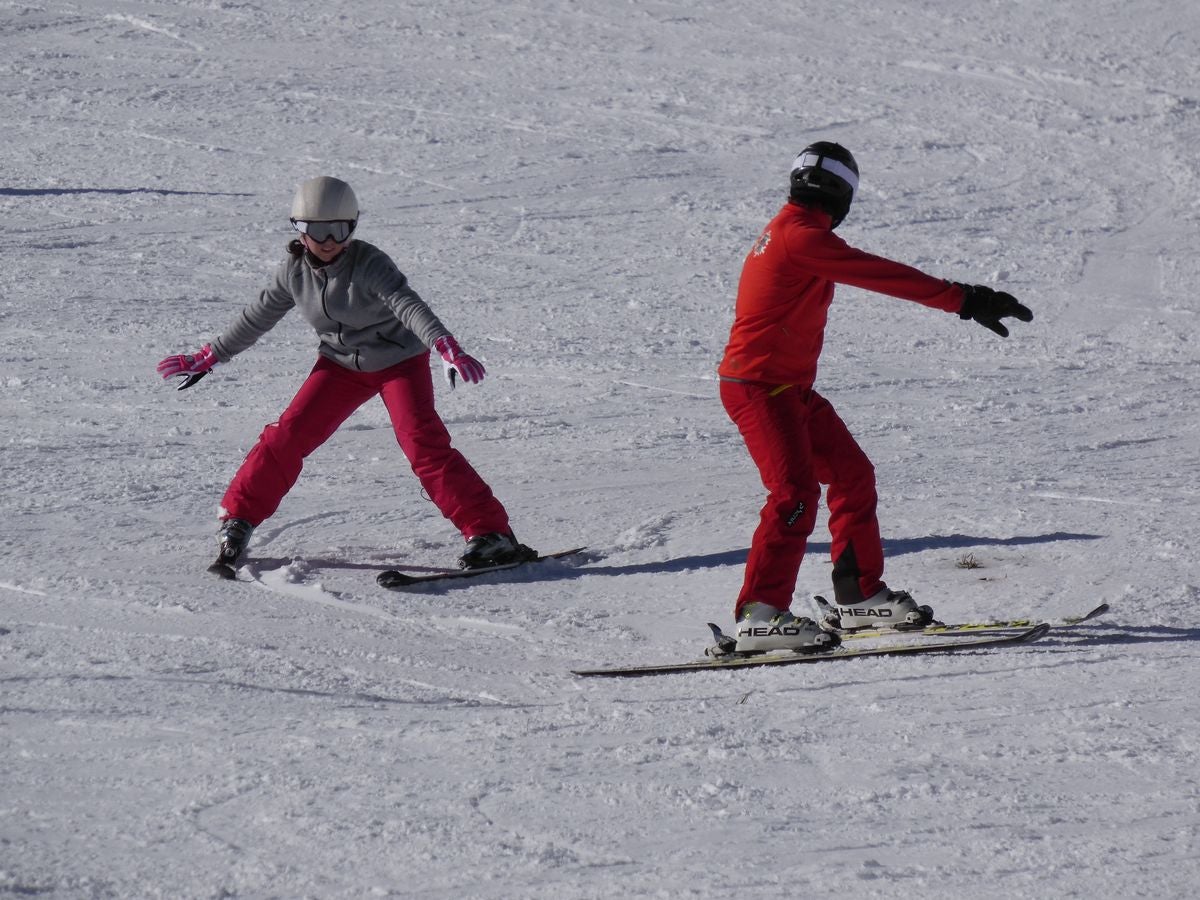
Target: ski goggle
[[808, 160], [320, 232]]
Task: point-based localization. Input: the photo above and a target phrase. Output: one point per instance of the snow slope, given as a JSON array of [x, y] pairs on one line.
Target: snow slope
[[573, 187]]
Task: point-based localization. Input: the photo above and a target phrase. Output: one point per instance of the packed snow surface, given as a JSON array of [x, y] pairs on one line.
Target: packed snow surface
[[573, 187]]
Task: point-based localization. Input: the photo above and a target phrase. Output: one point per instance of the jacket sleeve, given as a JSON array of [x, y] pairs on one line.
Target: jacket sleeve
[[256, 319], [392, 287], [828, 256]]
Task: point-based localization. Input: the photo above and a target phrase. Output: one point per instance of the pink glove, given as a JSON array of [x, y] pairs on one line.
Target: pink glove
[[189, 367], [455, 362]]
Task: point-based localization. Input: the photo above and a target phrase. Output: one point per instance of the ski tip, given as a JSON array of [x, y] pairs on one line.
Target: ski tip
[[393, 579], [223, 571]]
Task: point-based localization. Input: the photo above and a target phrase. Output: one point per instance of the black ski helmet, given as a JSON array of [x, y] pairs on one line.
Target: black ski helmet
[[825, 175]]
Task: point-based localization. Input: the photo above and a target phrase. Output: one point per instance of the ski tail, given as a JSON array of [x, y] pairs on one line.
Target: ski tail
[[942, 628]]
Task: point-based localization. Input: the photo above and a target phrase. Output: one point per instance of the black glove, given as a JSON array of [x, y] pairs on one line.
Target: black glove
[[988, 307]]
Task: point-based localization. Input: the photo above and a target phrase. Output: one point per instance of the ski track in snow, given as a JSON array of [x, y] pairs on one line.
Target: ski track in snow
[[573, 188]]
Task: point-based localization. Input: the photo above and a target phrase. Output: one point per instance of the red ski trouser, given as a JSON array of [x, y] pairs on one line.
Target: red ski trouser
[[326, 399], [799, 443]]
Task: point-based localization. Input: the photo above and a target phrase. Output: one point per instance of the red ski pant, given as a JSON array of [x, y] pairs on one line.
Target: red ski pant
[[326, 399], [799, 442]]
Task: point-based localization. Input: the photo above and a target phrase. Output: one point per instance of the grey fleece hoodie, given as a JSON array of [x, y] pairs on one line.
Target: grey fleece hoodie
[[361, 306]]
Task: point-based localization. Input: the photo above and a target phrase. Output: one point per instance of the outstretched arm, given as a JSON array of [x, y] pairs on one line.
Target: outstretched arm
[[252, 323], [415, 315], [827, 255]]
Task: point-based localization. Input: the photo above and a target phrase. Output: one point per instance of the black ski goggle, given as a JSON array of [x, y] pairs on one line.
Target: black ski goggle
[[320, 232]]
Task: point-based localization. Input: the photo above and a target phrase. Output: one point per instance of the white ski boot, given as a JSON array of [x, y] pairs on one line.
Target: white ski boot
[[886, 609], [762, 627]]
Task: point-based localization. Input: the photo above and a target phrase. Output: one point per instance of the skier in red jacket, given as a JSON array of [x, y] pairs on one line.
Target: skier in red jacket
[[793, 433]]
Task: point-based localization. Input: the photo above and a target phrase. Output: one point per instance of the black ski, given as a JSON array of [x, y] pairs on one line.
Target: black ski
[[396, 579], [791, 658]]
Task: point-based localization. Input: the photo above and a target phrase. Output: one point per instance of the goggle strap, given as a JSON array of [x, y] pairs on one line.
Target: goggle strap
[[841, 170]]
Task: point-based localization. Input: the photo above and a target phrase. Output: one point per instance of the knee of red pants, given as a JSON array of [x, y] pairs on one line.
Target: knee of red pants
[[851, 473], [287, 440], [420, 431], [793, 512]]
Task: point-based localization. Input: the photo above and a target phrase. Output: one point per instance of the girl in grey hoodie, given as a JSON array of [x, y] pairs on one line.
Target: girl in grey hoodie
[[375, 337]]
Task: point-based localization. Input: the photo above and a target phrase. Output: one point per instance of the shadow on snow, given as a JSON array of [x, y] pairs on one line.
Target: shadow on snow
[[63, 192], [563, 570], [891, 548]]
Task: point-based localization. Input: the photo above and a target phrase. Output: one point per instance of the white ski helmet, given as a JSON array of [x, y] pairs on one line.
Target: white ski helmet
[[325, 199]]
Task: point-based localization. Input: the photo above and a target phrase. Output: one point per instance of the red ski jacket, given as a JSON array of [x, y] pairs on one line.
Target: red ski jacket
[[787, 286]]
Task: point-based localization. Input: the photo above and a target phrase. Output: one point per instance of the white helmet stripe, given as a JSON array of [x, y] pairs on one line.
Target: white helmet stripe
[[841, 170]]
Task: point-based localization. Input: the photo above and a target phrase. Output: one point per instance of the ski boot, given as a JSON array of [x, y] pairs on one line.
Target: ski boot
[[762, 627], [232, 539], [885, 609], [494, 549]]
